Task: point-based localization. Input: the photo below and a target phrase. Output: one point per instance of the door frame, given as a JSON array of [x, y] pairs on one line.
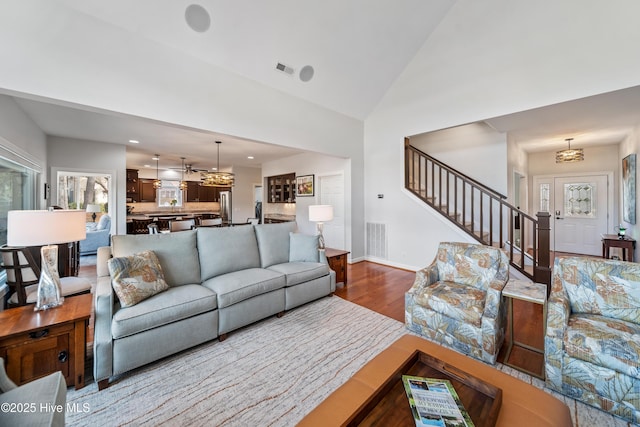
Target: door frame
[[535, 194]]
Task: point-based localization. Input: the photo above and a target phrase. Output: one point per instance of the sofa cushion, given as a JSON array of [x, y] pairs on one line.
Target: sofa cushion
[[604, 342], [601, 287], [177, 252], [454, 300], [273, 242], [174, 304], [300, 272], [137, 277], [226, 249], [237, 286], [303, 247]]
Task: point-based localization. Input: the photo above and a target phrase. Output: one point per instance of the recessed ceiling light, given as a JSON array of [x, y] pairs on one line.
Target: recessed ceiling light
[[134, 141], [214, 169], [147, 166], [250, 157], [155, 158]]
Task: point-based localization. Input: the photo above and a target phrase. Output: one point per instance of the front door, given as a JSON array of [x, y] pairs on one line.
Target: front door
[[580, 213]]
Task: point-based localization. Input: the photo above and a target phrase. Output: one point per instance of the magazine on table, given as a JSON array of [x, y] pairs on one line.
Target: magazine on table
[[434, 402]]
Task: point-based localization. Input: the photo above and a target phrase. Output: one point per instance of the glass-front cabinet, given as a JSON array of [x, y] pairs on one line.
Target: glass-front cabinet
[[282, 188]]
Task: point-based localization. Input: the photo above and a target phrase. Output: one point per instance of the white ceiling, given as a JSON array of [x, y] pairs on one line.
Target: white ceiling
[[357, 48]]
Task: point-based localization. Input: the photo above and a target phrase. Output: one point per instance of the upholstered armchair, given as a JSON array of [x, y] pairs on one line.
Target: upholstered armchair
[[457, 300], [96, 236], [33, 401], [592, 343]]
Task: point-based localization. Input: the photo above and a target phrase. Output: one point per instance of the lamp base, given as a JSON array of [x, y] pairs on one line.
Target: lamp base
[[49, 293], [319, 227]]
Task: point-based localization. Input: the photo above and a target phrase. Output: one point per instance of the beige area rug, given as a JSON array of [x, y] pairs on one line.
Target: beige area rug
[[271, 373]]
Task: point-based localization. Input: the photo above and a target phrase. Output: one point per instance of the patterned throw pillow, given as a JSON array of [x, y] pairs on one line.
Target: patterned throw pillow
[[136, 277]]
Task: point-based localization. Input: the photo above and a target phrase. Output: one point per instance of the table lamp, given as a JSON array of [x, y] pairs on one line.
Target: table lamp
[[37, 227], [320, 214], [93, 208]]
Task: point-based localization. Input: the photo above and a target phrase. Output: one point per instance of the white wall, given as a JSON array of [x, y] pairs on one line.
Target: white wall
[[631, 145], [318, 165], [73, 155], [487, 59], [469, 148], [243, 200], [22, 141], [71, 58]]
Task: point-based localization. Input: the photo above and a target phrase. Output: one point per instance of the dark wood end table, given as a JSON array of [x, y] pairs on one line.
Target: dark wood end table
[[37, 343], [337, 259], [627, 244]]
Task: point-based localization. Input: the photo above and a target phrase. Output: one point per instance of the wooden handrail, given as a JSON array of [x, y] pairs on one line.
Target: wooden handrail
[[485, 214]]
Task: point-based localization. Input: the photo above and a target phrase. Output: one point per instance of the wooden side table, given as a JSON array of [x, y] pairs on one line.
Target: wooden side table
[[627, 244], [525, 291], [338, 262], [37, 343]]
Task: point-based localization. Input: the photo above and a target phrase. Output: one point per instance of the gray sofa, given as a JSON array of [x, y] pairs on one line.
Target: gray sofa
[[220, 279], [97, 235]]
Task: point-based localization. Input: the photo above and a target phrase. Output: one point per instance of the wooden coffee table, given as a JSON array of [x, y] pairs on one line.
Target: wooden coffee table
[[37, 343], [390, 406], [371, 391]]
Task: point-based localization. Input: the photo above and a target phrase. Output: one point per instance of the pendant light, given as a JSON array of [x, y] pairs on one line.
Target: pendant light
[[570, 155], [157, 183], [217, 178], [183, 183]]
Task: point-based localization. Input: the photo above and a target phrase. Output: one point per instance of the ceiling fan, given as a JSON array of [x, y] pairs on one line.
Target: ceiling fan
[[189, 169]]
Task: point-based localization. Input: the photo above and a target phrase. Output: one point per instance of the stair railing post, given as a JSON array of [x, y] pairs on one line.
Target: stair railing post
[[542, 271]]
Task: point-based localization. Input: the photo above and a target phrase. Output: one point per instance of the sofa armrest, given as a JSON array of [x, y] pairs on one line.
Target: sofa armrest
[[103, 255], [102, 343]]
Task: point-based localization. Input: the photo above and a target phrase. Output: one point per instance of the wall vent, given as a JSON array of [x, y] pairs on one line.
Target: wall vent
[[377, 240], [284, 68]]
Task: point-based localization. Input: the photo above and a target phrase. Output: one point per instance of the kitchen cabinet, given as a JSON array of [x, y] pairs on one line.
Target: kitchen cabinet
[[200, 193], [133, 187], [147, 192], [282, 188]]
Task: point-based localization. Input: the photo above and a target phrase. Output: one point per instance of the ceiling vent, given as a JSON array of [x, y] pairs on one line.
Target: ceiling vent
[[284, 68]]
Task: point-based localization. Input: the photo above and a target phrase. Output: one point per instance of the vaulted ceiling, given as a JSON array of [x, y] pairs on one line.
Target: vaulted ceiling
[[355, 48]]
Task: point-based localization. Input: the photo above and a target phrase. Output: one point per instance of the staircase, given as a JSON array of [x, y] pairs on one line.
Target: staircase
[[482, 213]]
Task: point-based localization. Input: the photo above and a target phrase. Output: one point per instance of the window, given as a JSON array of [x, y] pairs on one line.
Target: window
[[17, 191], [170, 194]]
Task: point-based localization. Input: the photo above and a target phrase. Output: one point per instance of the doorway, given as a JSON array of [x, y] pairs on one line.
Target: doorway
[[331, 192], [580, 206]]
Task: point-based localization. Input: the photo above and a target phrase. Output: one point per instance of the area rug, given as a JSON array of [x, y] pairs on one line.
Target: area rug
[[271, 373]]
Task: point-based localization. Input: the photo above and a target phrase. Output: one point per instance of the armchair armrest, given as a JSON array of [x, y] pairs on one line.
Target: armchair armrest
[[425, 277], [494, 298], [558, 312]]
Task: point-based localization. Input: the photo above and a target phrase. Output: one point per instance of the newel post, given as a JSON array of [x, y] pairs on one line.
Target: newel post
[[542, 271]]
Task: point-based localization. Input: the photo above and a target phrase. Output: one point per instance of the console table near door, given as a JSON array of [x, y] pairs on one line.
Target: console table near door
[[338, 262], [627, 244], [37, 343]]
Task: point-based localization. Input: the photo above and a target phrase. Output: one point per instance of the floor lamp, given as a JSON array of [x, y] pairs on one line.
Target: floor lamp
[[48, 228], [320, 214]]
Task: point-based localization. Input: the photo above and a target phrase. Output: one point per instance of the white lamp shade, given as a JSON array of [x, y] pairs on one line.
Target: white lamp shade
[[320, 213], [36, 228], [93, 208]]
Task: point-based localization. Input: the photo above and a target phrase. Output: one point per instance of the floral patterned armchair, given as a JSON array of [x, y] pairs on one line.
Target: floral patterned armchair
[[592, 343], [457, 300]]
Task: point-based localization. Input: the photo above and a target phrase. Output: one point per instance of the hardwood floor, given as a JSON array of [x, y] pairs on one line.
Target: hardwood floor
[[381, 288]]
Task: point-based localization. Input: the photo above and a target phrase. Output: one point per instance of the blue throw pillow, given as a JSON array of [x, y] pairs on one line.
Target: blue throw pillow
[[303, 248]]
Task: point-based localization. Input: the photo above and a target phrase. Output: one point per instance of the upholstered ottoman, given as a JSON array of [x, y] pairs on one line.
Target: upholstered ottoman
[[522, 404]]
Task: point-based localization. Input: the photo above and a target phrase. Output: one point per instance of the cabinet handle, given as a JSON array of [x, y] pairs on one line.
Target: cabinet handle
[[63, 356], [39, 334]]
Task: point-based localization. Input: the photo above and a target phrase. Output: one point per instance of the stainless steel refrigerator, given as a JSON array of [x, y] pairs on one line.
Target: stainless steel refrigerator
[[225, 207]]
